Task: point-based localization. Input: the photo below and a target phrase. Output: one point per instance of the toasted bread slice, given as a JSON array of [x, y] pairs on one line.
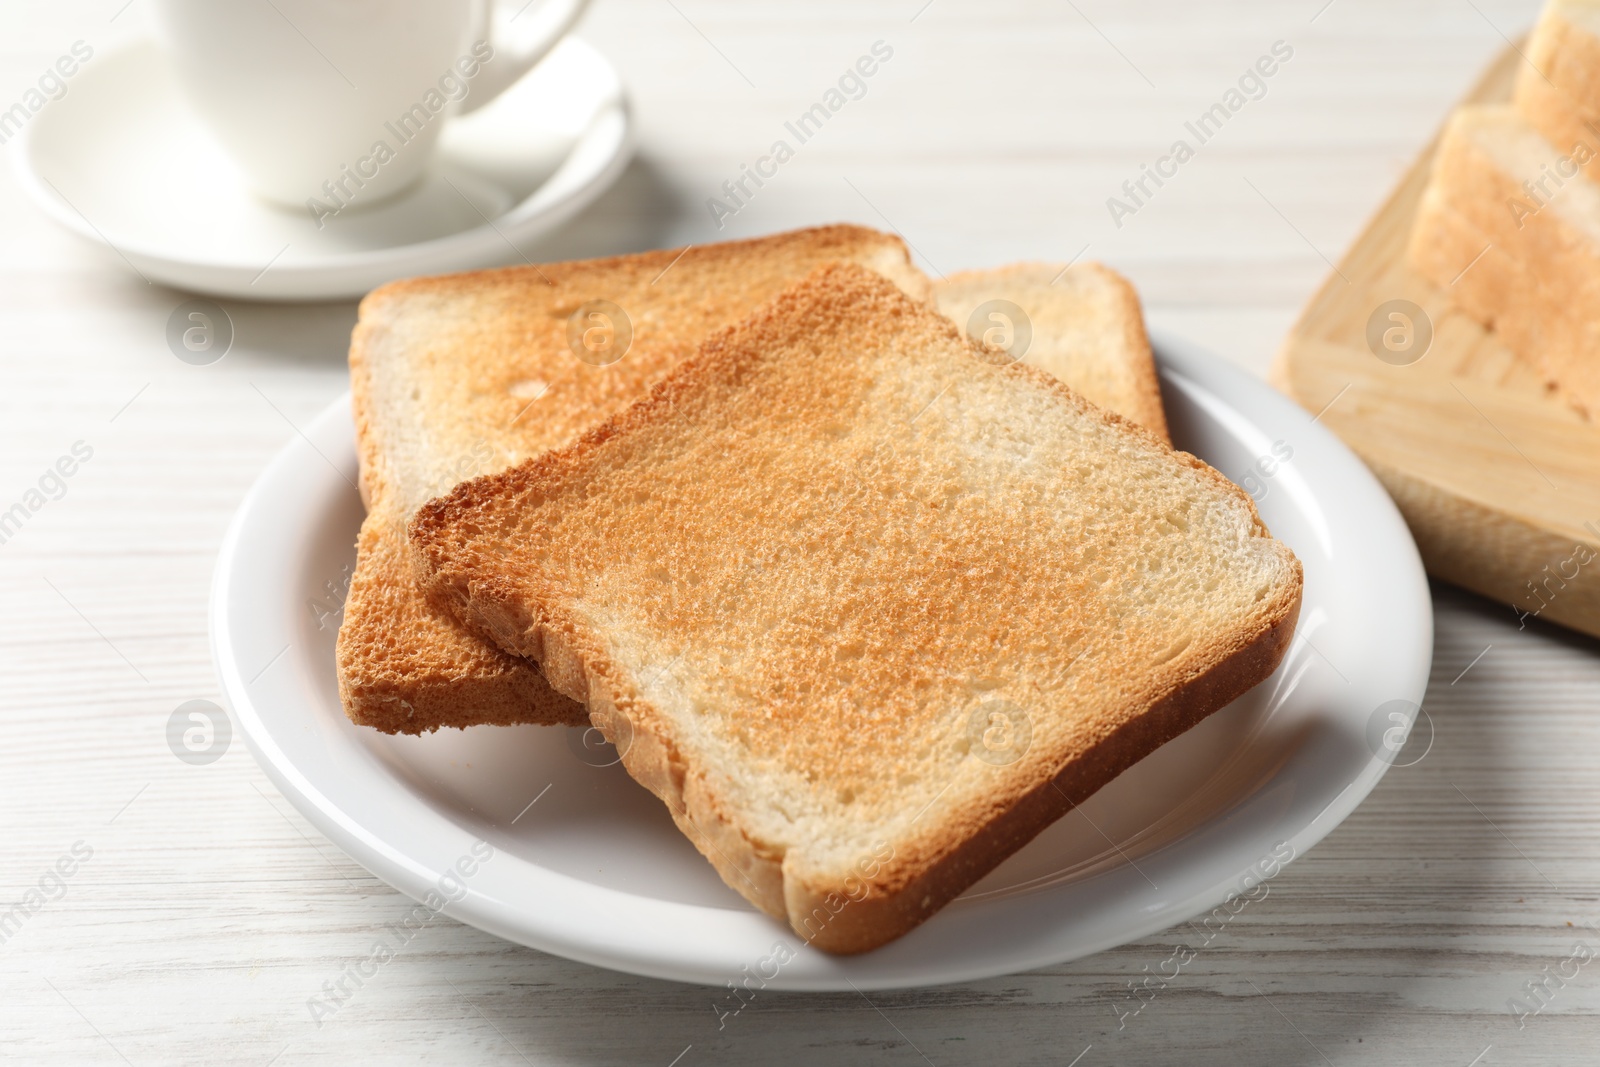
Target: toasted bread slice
[[464, 375], [1082, 323], [865, 606], [1551, 227]]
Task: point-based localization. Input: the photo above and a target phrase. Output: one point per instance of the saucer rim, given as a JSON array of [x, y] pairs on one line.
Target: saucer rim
[[344, 275]]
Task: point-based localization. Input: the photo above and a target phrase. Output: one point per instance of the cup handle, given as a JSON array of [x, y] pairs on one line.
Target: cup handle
[[520, 37]]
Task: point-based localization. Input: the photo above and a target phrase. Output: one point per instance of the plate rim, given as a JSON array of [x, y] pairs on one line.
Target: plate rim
[[385, 860]]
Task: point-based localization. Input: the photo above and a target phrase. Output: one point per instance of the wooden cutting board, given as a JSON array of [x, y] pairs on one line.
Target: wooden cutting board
[[1498, 479]]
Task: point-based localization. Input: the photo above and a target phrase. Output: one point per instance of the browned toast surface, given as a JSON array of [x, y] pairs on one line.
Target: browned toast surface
[[467, 374], [1083, 324], [866, 606]]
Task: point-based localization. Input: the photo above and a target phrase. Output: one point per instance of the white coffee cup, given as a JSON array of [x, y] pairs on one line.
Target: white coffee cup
[[340, 102]]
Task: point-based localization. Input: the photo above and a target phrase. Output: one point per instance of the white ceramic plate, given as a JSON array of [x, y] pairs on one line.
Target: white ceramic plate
[[595, 871], [124, 162]]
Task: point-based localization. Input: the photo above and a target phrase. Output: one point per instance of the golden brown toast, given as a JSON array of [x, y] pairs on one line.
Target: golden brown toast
[[468, 374], [1083, 324], [866, 605]]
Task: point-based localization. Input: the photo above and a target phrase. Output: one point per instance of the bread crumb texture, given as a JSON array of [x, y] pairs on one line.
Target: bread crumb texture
[[1081, 322]]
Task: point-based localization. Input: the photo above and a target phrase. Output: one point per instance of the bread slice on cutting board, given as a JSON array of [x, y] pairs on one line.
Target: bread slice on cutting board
[[868, 606], [1492, 287], [1517, 181], [1558, 87], [1540, 218]]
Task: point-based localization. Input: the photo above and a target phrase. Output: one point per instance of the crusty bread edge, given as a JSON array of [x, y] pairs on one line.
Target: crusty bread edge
[[577, 664], [866, 924], [516, 693], [484, 278], [1154, 415]]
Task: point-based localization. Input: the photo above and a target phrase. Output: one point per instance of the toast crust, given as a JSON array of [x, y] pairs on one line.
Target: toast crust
[[439, 672], [863, 926], [890, 894]]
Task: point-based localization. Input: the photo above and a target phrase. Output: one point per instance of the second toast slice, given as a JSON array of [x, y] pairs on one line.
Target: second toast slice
[[1084, 326]]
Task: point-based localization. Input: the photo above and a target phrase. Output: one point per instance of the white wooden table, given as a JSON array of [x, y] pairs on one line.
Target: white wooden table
[[207, 911]]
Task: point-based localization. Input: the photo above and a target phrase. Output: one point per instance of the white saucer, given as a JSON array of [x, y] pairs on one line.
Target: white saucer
[[594, 870], [123, 161]]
